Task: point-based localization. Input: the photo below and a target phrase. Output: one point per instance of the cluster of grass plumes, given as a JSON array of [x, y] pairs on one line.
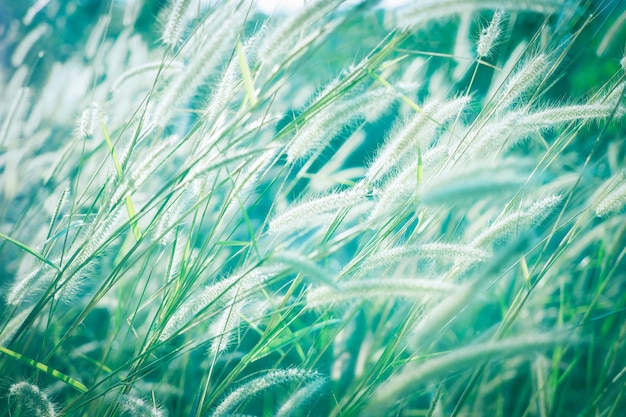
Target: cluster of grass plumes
[[347, 210]]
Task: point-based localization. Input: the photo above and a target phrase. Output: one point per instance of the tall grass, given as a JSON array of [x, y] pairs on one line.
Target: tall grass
[[348, 210]]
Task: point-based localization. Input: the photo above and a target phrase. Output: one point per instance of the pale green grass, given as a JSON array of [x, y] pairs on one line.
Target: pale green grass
[[345, 211]]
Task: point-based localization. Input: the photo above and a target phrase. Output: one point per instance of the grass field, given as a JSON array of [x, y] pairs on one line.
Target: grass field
[[344, 210]]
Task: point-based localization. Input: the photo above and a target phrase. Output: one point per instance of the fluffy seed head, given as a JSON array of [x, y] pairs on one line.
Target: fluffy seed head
[[299, 216], [614, 201], [489, 35], [524, 79], [89, 120], [174, 24], [31, 400], [257, 385], [132, 406]]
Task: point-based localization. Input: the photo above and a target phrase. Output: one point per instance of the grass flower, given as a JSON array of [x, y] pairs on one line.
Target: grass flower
[[31, 400]]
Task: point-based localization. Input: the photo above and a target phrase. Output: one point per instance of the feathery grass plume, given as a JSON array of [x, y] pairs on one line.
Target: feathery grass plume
[[451, 252], [87, 254], [215, 40], [368, 289], [399, 191], [286, 39], [622, 63], [211, 296], [57, 209], [530, 74], [401, 385], [303, 397], [323, 126], [221, 330], [12, 326], [223, 92], [257, 385], [518, 125], [522, 217], [226, 88], [29, 284], [214, 296], [303, 214], [179, 253], [614, 98], [562, 114], [489, 35], [31, 400], [168, 218], [415, 13], [88, 122], [475, 181], [146, 163], [132, 406], [615, 200], [438, 317], [174, 24], [403, 142]]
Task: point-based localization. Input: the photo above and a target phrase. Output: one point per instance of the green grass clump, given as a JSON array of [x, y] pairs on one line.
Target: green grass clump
[[349, 210]]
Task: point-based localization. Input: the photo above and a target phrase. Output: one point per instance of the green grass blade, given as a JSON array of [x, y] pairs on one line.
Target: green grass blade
[[45, 368], [246, 74], [30, 250], [130, 208]]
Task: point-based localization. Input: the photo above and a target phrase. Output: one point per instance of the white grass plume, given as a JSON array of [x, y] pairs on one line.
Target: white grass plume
[[417, 132], [323, 126], [399, 191], [379, 288], [451, 252], [300, 215], [302, 397], [287, 37], [132, 406], [146, 162], [417, 13], [27, 43], [530, 74], [31, 400], [248, 180], [29, 284], [398, 386], [89, 121], [257, 385], [515, 126], [174, 24], [217, 39], [17, 111], [222, 329], [214, 296], [489, 36], [614, 201], [474, 181], [521, 217]]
